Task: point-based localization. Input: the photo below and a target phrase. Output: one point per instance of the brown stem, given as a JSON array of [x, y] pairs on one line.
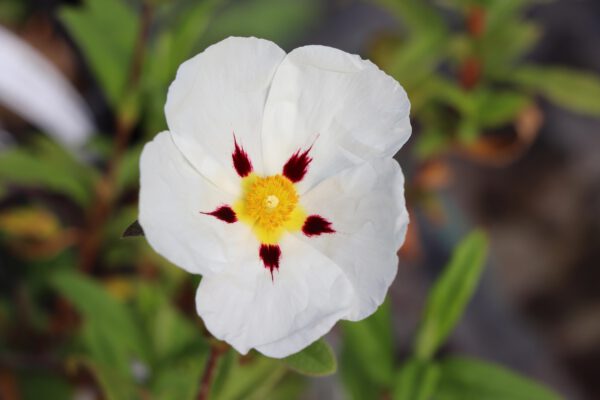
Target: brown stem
[[470, 70], [140, 46], [476, 21], [104, 200], [216, 352]]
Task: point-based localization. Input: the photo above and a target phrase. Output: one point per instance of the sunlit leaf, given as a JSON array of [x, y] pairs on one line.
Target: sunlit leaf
[[577, 91], [317, 359], [416, 380], [470, 379], [451, 293], [106, 31]]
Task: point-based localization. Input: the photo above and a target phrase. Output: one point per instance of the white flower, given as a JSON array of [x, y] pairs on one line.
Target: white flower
[[35, 89], [276, 182]]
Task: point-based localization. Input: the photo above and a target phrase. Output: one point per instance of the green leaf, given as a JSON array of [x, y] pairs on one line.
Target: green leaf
[[498, 12], [48, 165], [502, 47], [224, 369], [449, 93], [416, 380], [133, 230], [13, 12], [290, 388], [500, 107], [118, 252], [426, 44], [106, 32], [175, 380], [317, 359], [431, 140], [577, 91], [191, 25], [104, 349], [283, 21], [35, 386], [372, 341], [173, 337], [468, 129], [357, 384], [109, 328], [114, 385], [251, 379], [470, 379], [426, 51], [367, 357], [418, 15], [451, 293], [176, 43]]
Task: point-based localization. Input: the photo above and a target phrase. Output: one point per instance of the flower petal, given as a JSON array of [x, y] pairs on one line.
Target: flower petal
[[366, 207], [219, 93], [173, 198], [247, 308], [347, 107]]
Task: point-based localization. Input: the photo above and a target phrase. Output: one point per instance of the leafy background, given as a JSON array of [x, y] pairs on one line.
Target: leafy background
[[497, 289]]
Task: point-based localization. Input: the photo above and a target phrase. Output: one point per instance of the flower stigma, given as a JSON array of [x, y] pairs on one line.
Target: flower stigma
[[271, 201], [270, 205]]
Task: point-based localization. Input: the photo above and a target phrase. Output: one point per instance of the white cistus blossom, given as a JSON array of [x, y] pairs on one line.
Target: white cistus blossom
[[276, 183]]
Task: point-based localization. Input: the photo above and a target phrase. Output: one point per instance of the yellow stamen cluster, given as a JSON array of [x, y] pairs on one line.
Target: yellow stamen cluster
[[270, 205]]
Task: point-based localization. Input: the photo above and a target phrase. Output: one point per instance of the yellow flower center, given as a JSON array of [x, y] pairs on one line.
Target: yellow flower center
[[270, 205]]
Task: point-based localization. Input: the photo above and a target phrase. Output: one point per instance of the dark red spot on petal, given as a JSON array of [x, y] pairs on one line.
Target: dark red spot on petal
[[270, 254], [297, 166], [224, 213], [316, 225], [241, 161]]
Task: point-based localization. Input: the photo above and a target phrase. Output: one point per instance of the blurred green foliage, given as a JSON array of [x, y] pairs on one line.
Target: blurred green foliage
[[450, 295], [474, 80], [106, 33], [81, 308]]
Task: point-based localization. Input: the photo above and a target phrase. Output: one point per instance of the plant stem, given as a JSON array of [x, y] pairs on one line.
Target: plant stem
[[216, 352], [471, 68], [105, 196]]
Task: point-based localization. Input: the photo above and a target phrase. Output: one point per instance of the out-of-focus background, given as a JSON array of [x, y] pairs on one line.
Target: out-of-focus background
[[506, 116]]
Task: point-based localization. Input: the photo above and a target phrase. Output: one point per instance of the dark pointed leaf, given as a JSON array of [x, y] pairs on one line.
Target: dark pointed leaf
[[133, 230]]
